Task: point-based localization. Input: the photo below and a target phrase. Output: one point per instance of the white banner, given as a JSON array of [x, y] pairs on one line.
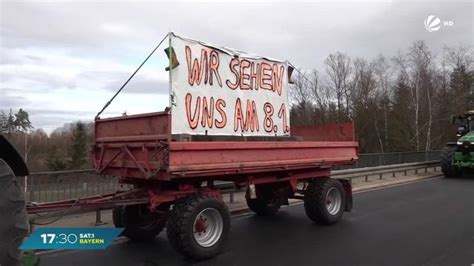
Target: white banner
[[219, 91]]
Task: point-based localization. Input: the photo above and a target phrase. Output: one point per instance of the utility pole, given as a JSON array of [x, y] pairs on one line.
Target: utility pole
[[26, 159]]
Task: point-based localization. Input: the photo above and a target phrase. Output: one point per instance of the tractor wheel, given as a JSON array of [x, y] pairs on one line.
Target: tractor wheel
[[140, 224], [14, 224], [447, 167], [266, 203], [198, 226], [324, 201]]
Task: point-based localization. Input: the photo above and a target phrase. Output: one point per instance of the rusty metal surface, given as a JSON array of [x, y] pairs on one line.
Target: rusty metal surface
[[203, 157], [140, 160], [138, 126], [181, 159], [328, 132], [140, 146]]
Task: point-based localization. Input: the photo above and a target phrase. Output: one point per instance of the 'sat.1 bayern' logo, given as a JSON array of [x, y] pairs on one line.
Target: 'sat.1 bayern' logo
[[432, 23]]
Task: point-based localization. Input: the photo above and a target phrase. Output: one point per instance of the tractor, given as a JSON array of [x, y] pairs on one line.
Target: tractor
[[458, 157]]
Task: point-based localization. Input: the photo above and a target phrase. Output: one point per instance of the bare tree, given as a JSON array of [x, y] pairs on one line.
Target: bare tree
[[461, 63], [301, 97], [383, 73], [415, 67], [338, 70], [320, 95], [420, 59], [459, 56], [364, 101]]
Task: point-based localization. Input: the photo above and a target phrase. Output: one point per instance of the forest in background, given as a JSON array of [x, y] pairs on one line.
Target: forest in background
[[402, 103], [399, 103]]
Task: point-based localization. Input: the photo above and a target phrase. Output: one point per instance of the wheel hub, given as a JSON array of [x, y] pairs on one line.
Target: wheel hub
[[333, 201], [208, 227], [200, 225]]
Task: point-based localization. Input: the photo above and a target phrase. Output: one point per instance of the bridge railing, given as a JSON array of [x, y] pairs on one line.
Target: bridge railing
[[62, 185], [378, 159]]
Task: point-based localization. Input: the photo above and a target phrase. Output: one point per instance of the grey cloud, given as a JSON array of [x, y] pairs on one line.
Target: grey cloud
[[113, 80], [398, 26], [304, 33], [140, 85], [8, 99], [51, 119], [8, 57], [37, 80]]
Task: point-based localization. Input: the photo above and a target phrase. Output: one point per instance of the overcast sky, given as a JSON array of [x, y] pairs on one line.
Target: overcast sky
[[61, 61]]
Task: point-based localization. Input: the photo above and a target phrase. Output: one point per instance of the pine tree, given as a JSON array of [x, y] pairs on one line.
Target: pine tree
[[54, 161], [10, 124], [78, 148], [22, 121], [402, 116], [3, 122]]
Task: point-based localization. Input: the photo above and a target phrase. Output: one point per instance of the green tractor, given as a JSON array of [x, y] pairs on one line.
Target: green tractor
[[458, 157]]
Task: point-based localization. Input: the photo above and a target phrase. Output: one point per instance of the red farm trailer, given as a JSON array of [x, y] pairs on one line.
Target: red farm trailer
[[175, 167], [174, 177]]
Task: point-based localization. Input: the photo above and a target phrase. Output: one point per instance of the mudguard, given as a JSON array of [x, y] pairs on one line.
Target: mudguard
[[348, 189], [14, 224], [11, 156]]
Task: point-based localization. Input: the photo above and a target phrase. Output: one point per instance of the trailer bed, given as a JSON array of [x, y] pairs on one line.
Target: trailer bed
[[141, 146]]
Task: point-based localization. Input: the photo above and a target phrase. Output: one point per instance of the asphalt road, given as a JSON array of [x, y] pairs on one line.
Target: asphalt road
[[424, 223]]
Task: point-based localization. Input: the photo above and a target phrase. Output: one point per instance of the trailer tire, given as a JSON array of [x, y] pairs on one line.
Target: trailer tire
[[139, 223], [117, 216], [263, 206], [447, 167], [324, 201], [198, 226], [266, 203], [14, 224]]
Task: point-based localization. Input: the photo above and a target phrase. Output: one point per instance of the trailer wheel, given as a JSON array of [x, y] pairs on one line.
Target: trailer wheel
[[324, 201], [140, 224], [265, 204], [14, 222], [198, 226], [447, 167]]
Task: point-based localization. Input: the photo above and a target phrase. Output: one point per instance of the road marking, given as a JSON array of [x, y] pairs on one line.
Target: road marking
[[400, 184]]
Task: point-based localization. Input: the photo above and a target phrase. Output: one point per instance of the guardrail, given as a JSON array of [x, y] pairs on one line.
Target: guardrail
[[366, 173], [385, 169], [379, 159], [61, 185]]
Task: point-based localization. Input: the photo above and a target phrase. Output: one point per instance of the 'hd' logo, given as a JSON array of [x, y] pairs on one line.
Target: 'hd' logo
[[433, 23]]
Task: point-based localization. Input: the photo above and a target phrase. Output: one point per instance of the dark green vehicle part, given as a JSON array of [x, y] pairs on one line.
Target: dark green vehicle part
[[458, 157], [14, 224]]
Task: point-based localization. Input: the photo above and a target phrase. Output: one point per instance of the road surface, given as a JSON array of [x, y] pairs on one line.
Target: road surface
[[424, 223]]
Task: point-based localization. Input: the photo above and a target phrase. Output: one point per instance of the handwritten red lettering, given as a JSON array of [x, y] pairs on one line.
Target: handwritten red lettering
[[193, 120], [220, 104]]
